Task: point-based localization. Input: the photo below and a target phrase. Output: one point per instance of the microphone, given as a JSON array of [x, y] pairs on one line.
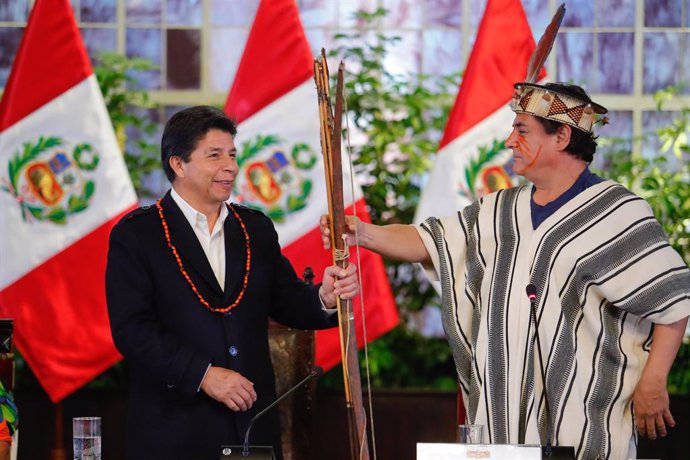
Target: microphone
[[315, 372], [562, 452]]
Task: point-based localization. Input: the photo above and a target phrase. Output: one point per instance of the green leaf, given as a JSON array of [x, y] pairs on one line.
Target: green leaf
[[276, 214], [306, 188], [36, 212], [76, 204], [303, 156], [251, 148], [57, 215], [295, 203], [89, 188]]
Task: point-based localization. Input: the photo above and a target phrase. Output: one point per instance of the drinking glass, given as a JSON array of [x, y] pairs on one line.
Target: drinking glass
[[471, 434], [86, 437]]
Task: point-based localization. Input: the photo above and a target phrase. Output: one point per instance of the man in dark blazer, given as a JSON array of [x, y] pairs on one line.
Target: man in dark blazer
[[191, 283]]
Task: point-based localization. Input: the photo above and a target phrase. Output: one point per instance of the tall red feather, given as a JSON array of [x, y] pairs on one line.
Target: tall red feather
[[541, 52]]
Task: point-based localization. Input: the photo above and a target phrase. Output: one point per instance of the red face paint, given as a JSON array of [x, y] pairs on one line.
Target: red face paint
[[526, 151]]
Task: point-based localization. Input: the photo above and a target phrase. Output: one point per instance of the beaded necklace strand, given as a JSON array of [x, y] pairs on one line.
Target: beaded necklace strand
[[247, 267]]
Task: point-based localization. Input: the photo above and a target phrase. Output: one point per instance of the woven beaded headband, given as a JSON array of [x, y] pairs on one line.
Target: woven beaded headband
[[548, 103]]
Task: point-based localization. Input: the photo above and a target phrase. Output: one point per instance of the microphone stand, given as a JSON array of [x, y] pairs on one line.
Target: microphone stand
[[564, 452], [245, 447]]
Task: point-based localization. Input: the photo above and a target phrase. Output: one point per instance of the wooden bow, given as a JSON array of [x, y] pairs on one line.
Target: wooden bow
[[331, 129]]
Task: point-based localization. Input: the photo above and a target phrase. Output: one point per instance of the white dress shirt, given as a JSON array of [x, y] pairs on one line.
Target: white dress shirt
[[213, 243]]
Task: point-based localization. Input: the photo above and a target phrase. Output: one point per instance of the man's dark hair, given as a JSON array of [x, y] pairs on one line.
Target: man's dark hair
[[582, 144], [184, 130]]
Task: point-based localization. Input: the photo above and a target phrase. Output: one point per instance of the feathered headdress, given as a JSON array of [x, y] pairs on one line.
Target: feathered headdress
[[576, 110], [541, 52]]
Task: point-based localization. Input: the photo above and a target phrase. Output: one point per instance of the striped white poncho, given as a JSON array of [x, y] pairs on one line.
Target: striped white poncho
[[604, 273]]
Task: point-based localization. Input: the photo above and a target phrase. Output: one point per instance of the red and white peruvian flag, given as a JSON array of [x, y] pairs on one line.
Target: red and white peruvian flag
[[63, 185], [472, 160], [273, 98]]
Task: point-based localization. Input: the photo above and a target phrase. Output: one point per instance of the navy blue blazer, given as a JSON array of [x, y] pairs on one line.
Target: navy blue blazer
[[168, 338]]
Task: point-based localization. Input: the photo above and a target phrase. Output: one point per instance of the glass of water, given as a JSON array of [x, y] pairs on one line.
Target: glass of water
[[471, 434], [86, 437]]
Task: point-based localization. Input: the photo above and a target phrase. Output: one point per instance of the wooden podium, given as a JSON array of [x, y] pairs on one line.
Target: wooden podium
[[292, 353]]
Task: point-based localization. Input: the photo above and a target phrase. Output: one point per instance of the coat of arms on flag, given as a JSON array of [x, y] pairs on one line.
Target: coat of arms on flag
[[49, 178], [272, 178], [488, 171]]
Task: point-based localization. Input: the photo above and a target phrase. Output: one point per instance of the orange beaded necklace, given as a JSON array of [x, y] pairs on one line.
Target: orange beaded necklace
[[184, 272]]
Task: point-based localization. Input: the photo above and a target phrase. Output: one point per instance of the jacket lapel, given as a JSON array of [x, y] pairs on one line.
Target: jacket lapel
[[235, 257], [192, 254]]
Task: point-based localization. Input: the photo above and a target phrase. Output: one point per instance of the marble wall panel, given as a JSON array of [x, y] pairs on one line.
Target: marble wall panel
[[98, 11], [227, 45], [98, 40], [662, 13], [183, 12], [318, 13], [615, 63], [615, 13], [347, 9], [477, 8], [14, 10], [9, 42], [239, 13], [443, 13], [143, 11], [145, 43], [575, 58], [661, 60], [538, 16], [404, 58], [619, 125], [319, 37], [579, 14], [442, 52], [408, 14]]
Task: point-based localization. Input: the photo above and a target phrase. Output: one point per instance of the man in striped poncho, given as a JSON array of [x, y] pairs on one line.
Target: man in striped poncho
[[612, 297]]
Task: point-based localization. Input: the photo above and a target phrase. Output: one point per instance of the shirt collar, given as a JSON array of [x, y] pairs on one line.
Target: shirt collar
[[192, 215]]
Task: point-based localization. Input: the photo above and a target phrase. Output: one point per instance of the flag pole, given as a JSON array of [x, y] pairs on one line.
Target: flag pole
[[58, 452]]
